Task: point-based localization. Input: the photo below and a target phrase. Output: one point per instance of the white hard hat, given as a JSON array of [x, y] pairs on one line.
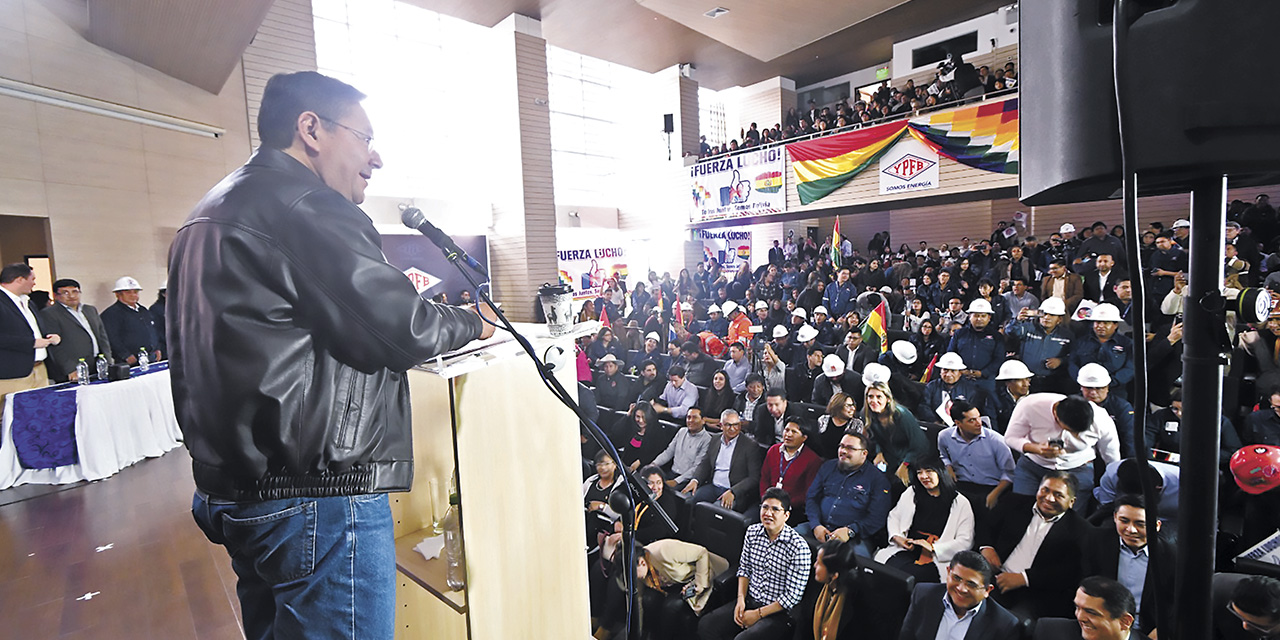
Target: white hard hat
[[762, 305], [800, 313], [832, 365], [1105, 312], [127, 283], [652, 335], [1094, 376], [729, 308], [979, 305], [806, 333], [779, 331], [686, 306], [715, 308], [1067, 228], [1182, 222], [875, 372], [951, 360], [821, 309], [904, 351], [1054, 307], [1013, 370]]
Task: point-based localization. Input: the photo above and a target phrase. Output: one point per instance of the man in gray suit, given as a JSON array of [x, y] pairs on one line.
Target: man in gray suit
[[83, 335]]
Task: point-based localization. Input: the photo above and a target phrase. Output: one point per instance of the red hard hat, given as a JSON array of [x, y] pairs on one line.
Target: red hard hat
[[1256, 468]]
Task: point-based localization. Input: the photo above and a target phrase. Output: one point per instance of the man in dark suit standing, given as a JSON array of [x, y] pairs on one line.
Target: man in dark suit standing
[[1100, 282], [1122, 551], [730, 473], [23, 343], [1034, 544], [83, 335], [960, 608]]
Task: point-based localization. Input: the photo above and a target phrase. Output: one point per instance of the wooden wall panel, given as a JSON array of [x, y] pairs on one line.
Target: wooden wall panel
[[114, 192], [286, 42]]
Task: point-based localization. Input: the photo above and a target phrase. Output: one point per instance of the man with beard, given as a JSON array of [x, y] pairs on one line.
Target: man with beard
[[849, 498], [980, 346]]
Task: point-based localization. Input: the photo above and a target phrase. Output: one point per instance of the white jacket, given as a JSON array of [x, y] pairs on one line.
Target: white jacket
[[956, 536]]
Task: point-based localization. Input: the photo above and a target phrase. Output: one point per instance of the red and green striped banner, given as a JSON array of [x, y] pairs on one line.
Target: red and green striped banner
[[823, 165]]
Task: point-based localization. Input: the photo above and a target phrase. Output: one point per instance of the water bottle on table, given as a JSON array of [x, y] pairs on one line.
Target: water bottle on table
[[456, 573], [103, 367], [144, 362], [82, 372]]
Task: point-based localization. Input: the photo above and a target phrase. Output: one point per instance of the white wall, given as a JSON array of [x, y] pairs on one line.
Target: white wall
[[990, 27], [859, 78]]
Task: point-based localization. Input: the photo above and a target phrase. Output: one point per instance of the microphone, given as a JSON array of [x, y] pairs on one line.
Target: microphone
[[413, 218]]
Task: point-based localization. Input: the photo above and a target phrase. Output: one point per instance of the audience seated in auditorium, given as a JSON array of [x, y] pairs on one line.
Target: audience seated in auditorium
[[730, 471]]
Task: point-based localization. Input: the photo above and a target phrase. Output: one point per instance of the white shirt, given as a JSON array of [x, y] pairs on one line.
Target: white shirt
[[1033, 421], [25, 308], [1023, 555], [952, 627], [84, 322], [720, 475]]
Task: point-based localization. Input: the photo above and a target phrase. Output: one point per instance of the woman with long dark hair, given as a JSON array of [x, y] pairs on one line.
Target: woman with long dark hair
[[826, 615], [718, 397], [605, 343], [929, 344], [930, 524], [895, 432], [638, 437]]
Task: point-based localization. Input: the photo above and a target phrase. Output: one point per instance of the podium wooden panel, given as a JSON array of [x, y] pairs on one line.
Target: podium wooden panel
[[518, 457]]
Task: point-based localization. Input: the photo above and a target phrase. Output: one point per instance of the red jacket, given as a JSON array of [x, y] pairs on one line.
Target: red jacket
[[799, 473]]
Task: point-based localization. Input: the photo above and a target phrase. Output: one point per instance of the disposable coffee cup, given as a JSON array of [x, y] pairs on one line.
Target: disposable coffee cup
[[557, 306]]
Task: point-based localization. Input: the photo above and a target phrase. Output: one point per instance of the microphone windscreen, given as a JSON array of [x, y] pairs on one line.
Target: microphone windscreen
[[412, 217]]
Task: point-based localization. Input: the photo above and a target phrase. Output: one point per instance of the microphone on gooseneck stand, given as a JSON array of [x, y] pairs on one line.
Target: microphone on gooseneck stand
[[413, 218]]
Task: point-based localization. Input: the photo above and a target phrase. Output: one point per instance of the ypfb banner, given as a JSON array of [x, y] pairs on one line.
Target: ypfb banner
[[746, 184]]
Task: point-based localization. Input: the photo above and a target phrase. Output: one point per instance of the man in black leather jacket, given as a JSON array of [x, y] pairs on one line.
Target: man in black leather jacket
[[291, 394]]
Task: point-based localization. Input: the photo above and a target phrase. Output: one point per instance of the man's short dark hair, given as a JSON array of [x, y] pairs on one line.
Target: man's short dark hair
[[1129, 477], [1018, 279], [676, 370], [754, 377], [600, 456], [64, 282], [776, 392], [971, 559], [738, 346], [1258, 596], [14, 271], [648, 363], [851, 432], [816, 347], [803, 425], [1116, 598], [1067, 478], [288, 95], [691, 346], [959, 408], [1075, 413], [1134, 500], [779, 495], [1058, 261]]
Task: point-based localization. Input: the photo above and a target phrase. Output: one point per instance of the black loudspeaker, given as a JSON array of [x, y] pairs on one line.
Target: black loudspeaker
[[1199, 98], [668, 122]]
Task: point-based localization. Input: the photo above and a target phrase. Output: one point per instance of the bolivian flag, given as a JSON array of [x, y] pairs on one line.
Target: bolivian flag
[[825, 164], [875, 329]]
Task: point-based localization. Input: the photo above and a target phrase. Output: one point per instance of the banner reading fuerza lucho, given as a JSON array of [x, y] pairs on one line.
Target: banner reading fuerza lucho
[[746, 184]]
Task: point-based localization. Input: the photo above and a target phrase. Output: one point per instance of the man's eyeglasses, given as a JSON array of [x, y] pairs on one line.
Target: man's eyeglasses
[[845, 447], [368, 139], [1253, 627], [731, 424], [771, 509]]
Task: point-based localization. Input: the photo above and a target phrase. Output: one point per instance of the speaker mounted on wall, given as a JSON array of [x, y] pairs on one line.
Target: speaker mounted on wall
[[1199, 98]]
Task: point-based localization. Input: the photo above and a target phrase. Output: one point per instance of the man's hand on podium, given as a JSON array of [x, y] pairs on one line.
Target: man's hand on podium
[[486, 313]]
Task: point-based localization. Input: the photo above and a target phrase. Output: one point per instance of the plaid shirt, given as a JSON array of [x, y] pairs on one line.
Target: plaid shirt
[[778, 570]]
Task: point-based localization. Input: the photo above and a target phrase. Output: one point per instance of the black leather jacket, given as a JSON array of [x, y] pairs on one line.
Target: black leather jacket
[[292, 336]]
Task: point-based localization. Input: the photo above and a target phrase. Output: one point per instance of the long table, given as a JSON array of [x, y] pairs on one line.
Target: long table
[[68, 433]]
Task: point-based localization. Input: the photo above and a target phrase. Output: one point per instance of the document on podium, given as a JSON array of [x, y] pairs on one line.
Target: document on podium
[[477, 354]]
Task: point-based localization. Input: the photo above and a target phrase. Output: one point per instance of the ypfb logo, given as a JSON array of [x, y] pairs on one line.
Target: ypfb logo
[[421, 279], [908, 167]]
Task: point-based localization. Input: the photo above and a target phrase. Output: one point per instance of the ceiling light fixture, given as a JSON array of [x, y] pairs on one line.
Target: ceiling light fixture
[[716, 12], [84, 104]]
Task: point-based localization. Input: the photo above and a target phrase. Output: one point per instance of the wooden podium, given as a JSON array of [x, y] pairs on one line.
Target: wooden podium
[[484, 411]]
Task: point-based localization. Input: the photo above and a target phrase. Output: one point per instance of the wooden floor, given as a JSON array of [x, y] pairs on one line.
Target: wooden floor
[[118, 558]]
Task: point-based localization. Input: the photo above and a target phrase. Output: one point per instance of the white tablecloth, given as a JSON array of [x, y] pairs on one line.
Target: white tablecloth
[[117, 424]]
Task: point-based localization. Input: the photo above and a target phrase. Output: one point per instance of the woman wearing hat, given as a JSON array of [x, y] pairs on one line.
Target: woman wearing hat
[[605, 343]]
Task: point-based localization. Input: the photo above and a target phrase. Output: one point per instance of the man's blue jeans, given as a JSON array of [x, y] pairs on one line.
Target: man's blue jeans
[[308, 567]]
